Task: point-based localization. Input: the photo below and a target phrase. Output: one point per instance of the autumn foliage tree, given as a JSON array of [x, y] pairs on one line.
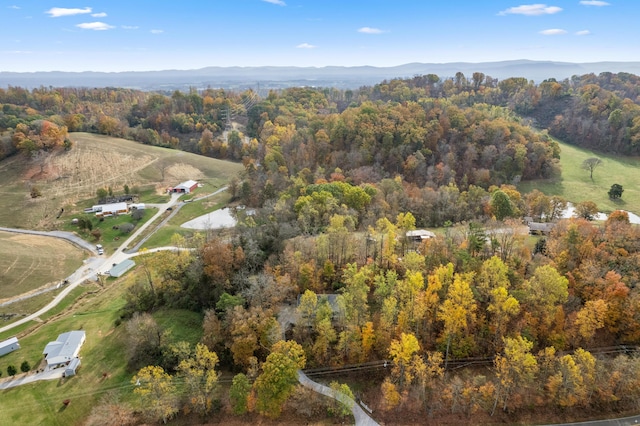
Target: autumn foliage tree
[[201, 378], [158, 400], [41, 135], [279, 376]]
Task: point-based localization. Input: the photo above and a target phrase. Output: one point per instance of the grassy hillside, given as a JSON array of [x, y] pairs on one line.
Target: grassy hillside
[[21, 271], [67, 178], [575, 184], [103, 352]]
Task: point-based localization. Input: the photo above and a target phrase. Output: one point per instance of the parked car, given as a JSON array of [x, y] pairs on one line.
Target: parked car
[[100, 248]]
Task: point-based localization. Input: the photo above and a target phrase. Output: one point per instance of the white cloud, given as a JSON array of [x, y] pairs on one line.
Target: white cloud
[[156, 31], [56, 12], [594, 3], [99, 15], [583, 33], [553, 31], [369, 30], [531, 10], [130, 27], [96, 26], [306, 46], [13, 7], [277, 2]]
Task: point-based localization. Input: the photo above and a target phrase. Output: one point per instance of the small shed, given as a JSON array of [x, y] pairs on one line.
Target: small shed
[[419, 235], [9, 346], [72, 367], [119, 269], [65, 348], [185, 187]]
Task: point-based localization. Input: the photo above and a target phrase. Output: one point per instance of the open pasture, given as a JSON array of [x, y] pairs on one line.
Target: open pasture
[[28, 262], [576, 186]]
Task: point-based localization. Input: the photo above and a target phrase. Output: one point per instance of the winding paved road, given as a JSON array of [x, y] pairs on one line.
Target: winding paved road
[[97, 265], [361, 418], [69, 236], [91, 268]]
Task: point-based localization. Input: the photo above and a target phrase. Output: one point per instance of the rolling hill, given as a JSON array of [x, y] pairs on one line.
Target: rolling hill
[[331, 76], [68, 177]]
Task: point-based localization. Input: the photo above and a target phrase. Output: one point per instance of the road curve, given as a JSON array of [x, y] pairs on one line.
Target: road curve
[[91, 269], [361, 418], [69, 236]]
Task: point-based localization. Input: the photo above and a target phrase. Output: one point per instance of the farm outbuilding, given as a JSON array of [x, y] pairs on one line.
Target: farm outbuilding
[[419, 235], [108, 209], [119, 269], [72, 367], [64, 349], [9, 346], [185, 187]]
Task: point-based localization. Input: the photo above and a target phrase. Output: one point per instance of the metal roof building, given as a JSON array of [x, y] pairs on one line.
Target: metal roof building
[[9, 345], [72, 367], [420, 235], [122, 267], [185, 187], [65, 348]]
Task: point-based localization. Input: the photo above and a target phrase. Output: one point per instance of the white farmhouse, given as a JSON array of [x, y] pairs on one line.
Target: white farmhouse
[[64, 349], [108, 209]]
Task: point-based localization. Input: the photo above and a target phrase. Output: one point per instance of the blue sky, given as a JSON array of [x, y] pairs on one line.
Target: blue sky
[[136, 35]]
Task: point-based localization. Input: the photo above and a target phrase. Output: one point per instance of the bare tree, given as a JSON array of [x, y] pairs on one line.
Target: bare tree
[[590, 164]]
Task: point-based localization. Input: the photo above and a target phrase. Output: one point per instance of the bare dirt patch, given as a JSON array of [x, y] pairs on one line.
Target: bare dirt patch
[[183, 171]]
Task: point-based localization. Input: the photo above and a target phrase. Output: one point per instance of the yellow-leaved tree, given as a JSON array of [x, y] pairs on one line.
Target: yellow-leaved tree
[[200, 378], [279, 376], [158, 401]]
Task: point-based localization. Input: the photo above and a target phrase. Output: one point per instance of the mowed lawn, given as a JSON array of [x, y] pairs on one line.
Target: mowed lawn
[[68, 179], [104, 360], [28, 262], [576, 186]]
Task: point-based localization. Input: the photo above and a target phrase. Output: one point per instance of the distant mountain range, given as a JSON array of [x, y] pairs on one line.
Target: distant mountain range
[[280, 77]]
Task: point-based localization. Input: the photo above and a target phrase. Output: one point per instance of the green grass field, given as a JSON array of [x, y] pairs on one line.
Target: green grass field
[[187, 212], [103, 352], [69, 179], [28, 262], [110, 238], [576, 186]]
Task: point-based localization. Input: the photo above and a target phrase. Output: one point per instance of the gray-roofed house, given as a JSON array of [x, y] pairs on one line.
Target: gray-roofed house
[[543, 228], [64, 349], [9, 346]]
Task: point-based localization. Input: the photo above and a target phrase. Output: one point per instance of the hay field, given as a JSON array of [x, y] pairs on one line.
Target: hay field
[[95, 161], [28, 262]]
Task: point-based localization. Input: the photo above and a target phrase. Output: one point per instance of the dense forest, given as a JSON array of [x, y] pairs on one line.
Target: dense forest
[[337, 180]]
